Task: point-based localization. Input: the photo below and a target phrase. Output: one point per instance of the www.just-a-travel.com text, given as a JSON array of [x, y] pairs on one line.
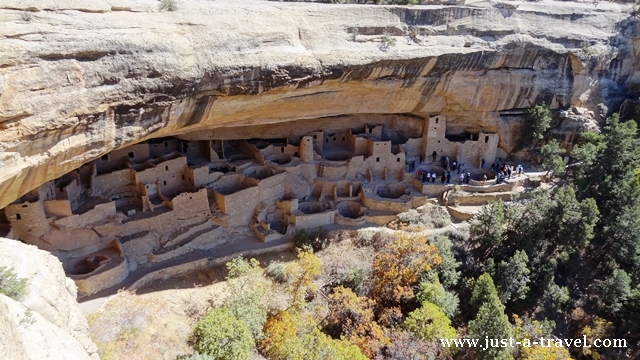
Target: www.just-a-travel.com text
[[489, 343]]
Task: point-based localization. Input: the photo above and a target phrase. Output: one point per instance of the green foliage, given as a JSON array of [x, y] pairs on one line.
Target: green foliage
[[538, 120], [427, 216], [483, 289], [196, 356], [316, 239], [354, 279], [246, 287], [552, 160], [491, 320], [387, 42], [433, 292], [447, 269], [277, 270], [487, 228], [605, 171], [555, 297], [168, 5], [223, 336], [11, 285], [429, 323], [631, 310], [290, 335], [614, 291], [398, 2], [512, 277]]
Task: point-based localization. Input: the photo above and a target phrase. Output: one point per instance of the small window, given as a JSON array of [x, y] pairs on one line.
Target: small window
[[166, 168], [18, 217], [61, 189], [398, 160], [295, 154], [334, 139], [190, 198], [327, 140], [315, 137], [166, 144], [130, 155], [486, 139], [105, 158], [377, 159], [434, 128], [25, 205], [165, 183], [282, 149], [436, 120], [343, 138], [438, 141], [182, 177], [310, 139]]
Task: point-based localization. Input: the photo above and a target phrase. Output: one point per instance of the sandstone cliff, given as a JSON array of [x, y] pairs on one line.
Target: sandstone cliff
[[82, 78], [47, 323]]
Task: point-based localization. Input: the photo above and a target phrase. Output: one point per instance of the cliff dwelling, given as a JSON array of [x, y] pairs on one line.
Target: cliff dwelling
[[164, 197]]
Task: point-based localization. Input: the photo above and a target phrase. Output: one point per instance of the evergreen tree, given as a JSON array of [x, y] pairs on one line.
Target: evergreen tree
[[538, 120], [433, 292], [512, 277], [491, 320], [613, 292], [605, 171], [487, 229], [482, 291], [552, 161], [447, 269]]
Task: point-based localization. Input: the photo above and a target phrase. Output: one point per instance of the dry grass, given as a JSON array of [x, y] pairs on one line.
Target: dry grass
[[344, 259], [425, 217], [155, 325], [158, 321]]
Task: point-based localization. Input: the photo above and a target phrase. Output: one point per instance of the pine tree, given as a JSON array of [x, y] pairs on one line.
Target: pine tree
[[491, 321], [512, 277], [552, 160]]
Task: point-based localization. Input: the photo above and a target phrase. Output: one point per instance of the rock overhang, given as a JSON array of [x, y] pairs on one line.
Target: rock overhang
[[78, 84]]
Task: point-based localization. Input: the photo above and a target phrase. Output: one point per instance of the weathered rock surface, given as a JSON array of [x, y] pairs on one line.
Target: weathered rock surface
[[82, 78], [60, 331]]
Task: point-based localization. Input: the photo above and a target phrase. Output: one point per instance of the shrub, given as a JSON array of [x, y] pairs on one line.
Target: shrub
[[387, 41], [168, 5], [26, 16], [223, 336], [11, 285], [355, 279], [428, 216], [375, 239], [277, 270], [196, 356], [316, 239]]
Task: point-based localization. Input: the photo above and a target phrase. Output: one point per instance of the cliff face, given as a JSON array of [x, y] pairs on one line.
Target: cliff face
[[82, 78], [47, 323]]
